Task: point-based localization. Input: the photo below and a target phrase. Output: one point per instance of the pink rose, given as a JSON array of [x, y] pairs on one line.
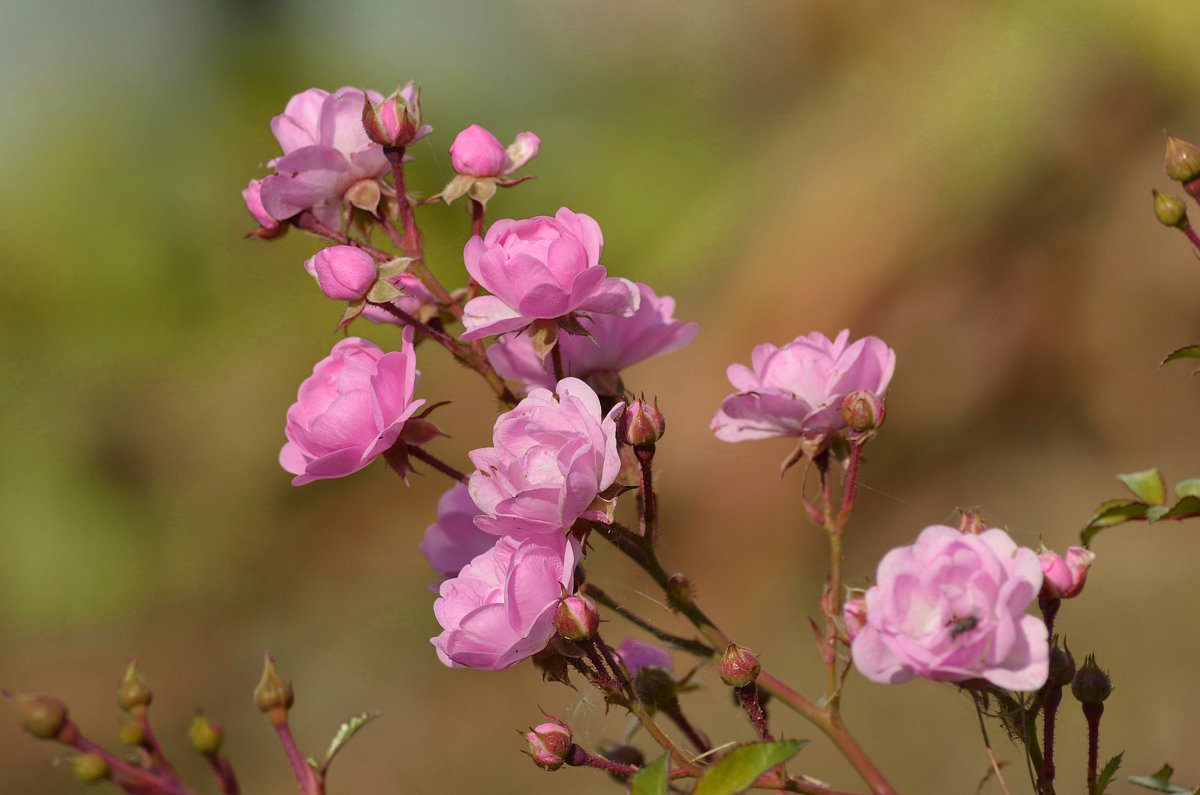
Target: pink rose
[[636, 655], [541, 268], [345, 273], [951, 607], [797, 390], [328, 160], [352, 409], [616, 343], [553, 455], [500, 608], [453, 540], [1064, 578]]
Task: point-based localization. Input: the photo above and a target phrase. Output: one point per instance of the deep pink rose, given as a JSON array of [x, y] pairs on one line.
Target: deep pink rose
[[328, 160], [453, 540], [500, 608], [636, 655], [350, 410], [616, 343], [541, 268], [951, 607], [552, 455], [1064, 577], [797, 390], [345, 273]]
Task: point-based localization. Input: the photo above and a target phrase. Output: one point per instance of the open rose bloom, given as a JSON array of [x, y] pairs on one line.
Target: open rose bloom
[[453, 540], [951, 607], [797, 390]]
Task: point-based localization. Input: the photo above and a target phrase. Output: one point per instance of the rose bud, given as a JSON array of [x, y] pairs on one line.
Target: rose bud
[[549, 745], [576, 619], [1064, 578], [641, 425], [739, 666]]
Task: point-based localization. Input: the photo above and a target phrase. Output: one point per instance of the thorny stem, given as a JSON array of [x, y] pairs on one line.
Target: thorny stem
[[411, 243], [677, 717], [151, 744], [578, 757], [441, 466], [648, 515], [660, 737], [309, 222], [306, 778], [748, 697], [689, 645], [225, 775], [1049, 713], [477, 211], [123, 772], [1093, 712]]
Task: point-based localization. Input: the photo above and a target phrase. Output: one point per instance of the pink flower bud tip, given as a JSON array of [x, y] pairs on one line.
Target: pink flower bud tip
[[396, 121], [550, 745], [576, 619], [863, 410], [739, 666], [1064, 578], [345, 273], [642, 425]]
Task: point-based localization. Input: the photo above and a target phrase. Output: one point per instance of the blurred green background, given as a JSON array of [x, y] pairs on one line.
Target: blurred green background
[[969, 181]]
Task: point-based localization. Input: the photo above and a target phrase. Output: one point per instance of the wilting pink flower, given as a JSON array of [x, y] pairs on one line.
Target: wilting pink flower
[[1064, 578], [350, 410], [797, 390], [636, 655], [951, 607], [541, 268], [553, 454], [616, 342], [268, 226], [500, 608], [453, 540], [328, 160], [345, 273]]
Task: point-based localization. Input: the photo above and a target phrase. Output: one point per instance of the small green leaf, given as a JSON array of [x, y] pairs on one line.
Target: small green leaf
[[1186, 352], [1188, 488], [1110, 513], [1147, 485], [345, 732], [1161, 782], [1108, 772], [738, 771], [653, 778], [1155, 513], [1186, 508]]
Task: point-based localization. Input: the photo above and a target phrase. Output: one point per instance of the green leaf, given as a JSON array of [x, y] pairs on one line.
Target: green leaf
[[1161, 782], [345, 732], [738, 771], [1110, 513], [1155, 513], [1188, 488], [1186, 508], [1186, 352], [1147, 485], [1108, 772], [653, 778]]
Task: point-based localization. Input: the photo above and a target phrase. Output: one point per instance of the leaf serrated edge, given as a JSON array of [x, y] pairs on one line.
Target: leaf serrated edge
[[347, 730]]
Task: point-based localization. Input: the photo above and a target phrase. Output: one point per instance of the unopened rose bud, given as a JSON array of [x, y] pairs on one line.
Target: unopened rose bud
[[642, 425], [1181, 160], [133, 693], [549, 745], [863, 411], [131, 732], [205, 735], [397, 120], [970, 521], [1091, 685], [854, 615], [43, 716], [273, 695], [477, 153], [576, 618], [739, 666], [345, 273], [90, 768], [1062, 665], [1064, 578], [679, 591], [1170, 210]]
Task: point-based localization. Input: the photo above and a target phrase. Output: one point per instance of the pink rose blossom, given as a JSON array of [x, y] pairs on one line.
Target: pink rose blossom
[[553, 455], [636, 655], [541, 268], [477, 153], [951, 607], [345, 273], [1064, 578], [797, 390], [352, 409], [268, 226], [453, 540], [500, 608], [616, 343], [328, 160]]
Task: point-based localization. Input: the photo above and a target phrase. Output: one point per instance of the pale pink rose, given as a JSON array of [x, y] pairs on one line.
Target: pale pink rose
[[328, 160], [268, 226], [345, 273], [453, 540], [616, 342], [477, 153], [636, 655], [541, 268], [797, 390], [951, 607], [500, 608], [1064, 577], [552, 456], [350, 410]]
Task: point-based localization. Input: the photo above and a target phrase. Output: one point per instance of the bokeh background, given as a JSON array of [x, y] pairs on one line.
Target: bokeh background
[[969, 181]]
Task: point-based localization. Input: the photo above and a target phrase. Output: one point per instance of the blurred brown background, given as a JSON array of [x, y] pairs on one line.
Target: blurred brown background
[[969, 181]]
